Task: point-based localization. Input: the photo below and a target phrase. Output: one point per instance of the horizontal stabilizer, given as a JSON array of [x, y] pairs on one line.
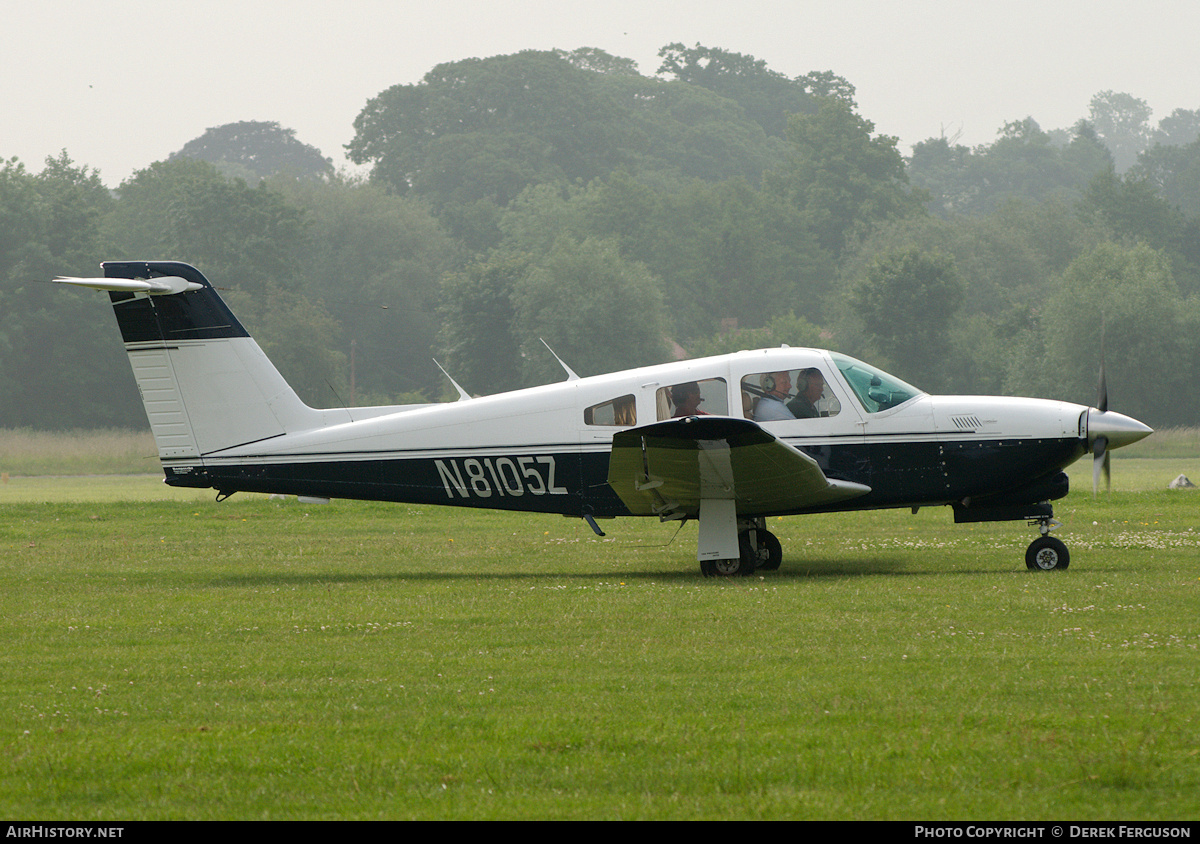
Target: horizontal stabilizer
[[163, 285]]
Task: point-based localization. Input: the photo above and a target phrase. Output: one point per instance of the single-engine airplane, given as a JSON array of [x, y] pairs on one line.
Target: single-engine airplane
[[782, 432]]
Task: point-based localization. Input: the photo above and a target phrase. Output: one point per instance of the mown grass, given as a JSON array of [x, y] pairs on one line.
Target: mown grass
[[259, 659]]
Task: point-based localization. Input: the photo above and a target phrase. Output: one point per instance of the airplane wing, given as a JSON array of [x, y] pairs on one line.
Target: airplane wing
[[667, 468]]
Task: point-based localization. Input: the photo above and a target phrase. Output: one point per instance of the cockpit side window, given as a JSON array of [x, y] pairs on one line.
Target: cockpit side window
[[620, 412], [875, 389], [708, 397], [788, 394]]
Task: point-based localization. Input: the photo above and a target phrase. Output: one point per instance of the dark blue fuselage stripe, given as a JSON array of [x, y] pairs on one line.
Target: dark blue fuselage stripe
[[575, 482]]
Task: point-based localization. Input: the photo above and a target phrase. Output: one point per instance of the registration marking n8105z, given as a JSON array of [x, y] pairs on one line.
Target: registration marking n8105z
[[501, 476]]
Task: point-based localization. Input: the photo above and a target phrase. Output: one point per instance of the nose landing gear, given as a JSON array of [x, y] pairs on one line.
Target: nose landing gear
[[1047, 553]]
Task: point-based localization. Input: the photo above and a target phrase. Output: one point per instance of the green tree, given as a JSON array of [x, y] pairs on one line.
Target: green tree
[[768, 97], [728, 250], [1122, 122], [1127, 300], [906, 302], [1024, 163], [374, 261], [598, 61], [1008, 261], [1174, 172], [253, 244], [474, 134], [255, 150], [1179, 128], [840, 175], [598, 311], [487, 128], [187, 210], [721, 250], [1135, 210], [58, 346], [478, 323]]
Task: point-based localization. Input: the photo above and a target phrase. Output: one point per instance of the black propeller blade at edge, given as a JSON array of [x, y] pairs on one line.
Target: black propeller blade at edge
[[1100, 455], [1100, 464]]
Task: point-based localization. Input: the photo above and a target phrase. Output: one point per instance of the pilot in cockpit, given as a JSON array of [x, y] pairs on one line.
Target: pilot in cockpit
[[810, 386]]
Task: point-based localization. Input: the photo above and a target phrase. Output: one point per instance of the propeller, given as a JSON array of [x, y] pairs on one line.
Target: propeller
[[1108, 430], [1100, 465], [1100, 456]]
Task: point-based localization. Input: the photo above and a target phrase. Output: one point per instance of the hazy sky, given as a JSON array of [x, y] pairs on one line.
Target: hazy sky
[[122, 84]]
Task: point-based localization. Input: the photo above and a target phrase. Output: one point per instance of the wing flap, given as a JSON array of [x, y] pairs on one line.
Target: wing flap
[[665, 469]]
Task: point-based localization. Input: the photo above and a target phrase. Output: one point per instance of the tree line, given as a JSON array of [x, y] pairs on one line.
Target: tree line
[[625, 219]]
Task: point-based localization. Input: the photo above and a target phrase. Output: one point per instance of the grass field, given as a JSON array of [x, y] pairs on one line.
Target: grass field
[[167, 657]]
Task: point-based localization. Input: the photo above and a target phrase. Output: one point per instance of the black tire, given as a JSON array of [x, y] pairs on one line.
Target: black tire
[[769, 554], [741, 567], [1047, 554]]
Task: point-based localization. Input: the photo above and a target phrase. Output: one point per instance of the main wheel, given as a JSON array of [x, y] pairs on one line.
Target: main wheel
[[769, 553], [730, 568], [1047, 554]]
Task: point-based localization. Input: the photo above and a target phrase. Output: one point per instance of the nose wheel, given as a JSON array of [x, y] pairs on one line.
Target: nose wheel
[[1047, 553]]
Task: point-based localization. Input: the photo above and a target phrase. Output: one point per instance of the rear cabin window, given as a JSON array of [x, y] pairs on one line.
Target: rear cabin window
[[618, 412], [788, 394], [708, 397]]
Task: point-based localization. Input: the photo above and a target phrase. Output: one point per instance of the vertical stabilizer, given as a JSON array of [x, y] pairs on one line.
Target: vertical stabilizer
[[205, 383]]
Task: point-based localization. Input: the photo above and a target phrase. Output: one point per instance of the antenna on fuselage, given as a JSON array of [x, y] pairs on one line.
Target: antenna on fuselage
[[571, 376], [463, 395]]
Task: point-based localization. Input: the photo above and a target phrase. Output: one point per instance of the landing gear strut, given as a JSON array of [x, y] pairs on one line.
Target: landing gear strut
[[758, 549], [1047, 553]]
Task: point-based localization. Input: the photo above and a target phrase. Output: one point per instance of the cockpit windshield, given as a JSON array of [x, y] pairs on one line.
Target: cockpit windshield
[[876, 390]]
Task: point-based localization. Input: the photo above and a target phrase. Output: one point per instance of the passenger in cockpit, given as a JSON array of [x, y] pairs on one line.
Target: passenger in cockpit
[[687, 398], [770, 407]]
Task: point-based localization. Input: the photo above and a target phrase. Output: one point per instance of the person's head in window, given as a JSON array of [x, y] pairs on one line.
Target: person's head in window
[[777, 384], [810, 386], [687, 398], [775, 387]]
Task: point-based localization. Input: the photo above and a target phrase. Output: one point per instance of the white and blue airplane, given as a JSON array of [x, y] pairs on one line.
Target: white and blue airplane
[[781, 432]]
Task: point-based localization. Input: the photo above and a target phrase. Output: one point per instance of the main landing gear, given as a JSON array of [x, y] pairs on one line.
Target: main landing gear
[[758, 549], [1047, 553]]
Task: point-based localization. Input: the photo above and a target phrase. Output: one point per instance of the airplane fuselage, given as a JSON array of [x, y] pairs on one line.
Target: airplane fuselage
[[536, 449]]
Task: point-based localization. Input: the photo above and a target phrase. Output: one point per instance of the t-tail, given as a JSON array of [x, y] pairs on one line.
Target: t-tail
[[205, 383]]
